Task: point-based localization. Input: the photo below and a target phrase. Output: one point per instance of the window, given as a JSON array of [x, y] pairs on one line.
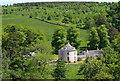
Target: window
[[74, 58], [74, 53], [65, 48], [67, 53], [68, 59]]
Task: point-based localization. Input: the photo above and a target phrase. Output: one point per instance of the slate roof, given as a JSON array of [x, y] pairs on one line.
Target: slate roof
[[92, 53], [67, 47], [81, 56]]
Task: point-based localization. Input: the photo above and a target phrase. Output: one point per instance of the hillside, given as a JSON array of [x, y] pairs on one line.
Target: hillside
[[40, 26]]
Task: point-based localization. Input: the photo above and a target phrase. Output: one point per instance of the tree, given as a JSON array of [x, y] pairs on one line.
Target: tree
[[73, 37], [94, 38], [30, 16], [111, 59], [103, 35], [103, 75], [60, 70], [100, 19], [59, 38], [113, 33], [36, 67], [90, 23], [16, 42], [49, 18], [116, 44], [91, 68], [16, 38], [13, 39], [109, 55], [65, 20]]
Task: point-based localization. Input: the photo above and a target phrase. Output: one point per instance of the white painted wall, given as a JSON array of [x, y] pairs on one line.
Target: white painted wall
[[63, 54]]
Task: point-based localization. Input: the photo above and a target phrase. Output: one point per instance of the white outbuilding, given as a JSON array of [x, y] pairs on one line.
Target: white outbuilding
[[67, 53]]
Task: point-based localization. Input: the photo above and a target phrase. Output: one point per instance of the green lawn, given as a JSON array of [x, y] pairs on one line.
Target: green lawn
[[36, 25], [40, 26], [72, 71]]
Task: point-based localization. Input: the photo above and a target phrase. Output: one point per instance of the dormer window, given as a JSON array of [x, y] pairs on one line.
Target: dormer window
[[65, 48], [73, 48]]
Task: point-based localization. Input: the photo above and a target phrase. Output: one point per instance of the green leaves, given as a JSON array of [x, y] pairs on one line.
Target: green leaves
[[104, 38], [73, 37], [59, 38], [99, 37], [37, 67], [103, 75], [111, 59], [60, 70], [92, 68], [94, 38], [16, 43]]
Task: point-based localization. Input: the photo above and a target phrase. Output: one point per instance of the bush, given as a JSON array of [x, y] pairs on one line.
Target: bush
[[79, 59], [30, 16]]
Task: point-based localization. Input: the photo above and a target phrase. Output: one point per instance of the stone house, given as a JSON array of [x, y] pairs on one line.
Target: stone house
[[67, 53], [90, 53]]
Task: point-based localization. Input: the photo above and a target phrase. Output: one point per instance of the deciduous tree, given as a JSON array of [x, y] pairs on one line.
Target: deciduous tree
[[103, 35], [60, 70], [59, 38], [73, 36], [94, 38]]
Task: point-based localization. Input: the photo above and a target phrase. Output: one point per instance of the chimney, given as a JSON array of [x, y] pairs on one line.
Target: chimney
[[97, 49]]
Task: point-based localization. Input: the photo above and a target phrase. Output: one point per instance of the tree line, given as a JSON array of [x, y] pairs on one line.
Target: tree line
[[79, 14]]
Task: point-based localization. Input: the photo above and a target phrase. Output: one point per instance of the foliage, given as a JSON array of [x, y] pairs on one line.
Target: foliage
[[103, 35], [59, 38], [73, 37], [109, 55], [16, 39], [113, 33], [37, 67], [116, 44], [103, 75], [65, 20], [100, 19], [89, 14], [16, 43], [60, 70], [92, 68], [111, 59], [94, 38], [79, 59]]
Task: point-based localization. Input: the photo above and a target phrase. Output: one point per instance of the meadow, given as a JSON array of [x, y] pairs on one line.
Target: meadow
[[48, 29], [40, 26]]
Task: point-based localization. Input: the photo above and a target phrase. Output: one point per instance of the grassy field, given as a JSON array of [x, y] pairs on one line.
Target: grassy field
[[48, 29], [72, 71], [36, 25], [40, 26]]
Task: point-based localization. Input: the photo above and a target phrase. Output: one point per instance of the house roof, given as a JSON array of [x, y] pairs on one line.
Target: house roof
[[92, 53], [68, 47], [81, 56]]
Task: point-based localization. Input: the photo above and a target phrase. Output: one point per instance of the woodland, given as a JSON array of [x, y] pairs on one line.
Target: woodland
[[45, 27]]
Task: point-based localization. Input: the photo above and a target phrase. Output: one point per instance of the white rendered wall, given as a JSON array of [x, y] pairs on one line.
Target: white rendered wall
[[72, 55]]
